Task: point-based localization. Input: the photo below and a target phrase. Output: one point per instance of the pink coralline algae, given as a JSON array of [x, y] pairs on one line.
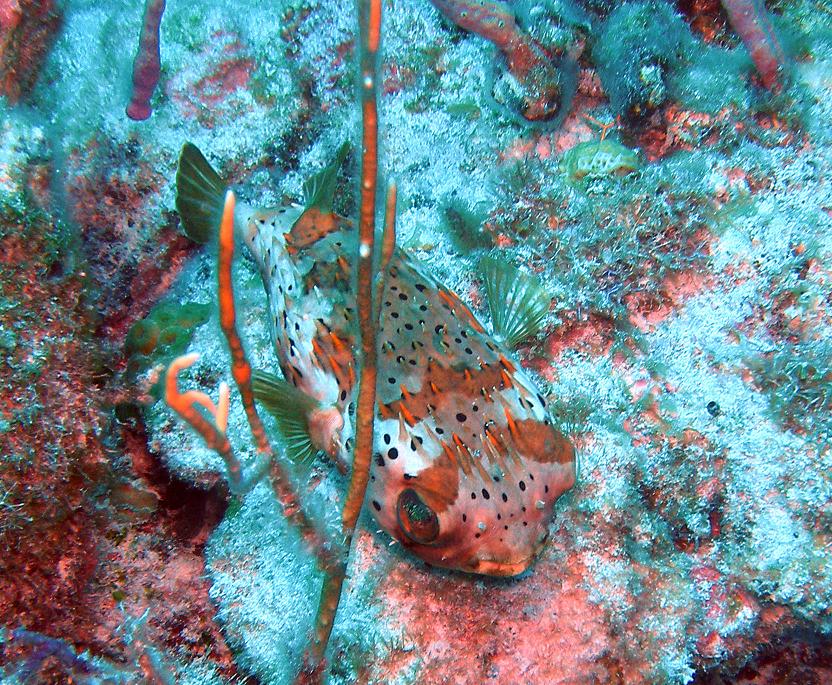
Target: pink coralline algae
[[751, 20], [147, 65]]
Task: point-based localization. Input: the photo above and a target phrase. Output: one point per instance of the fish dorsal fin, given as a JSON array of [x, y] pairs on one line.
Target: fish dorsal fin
[[200, 194], [517, 300], [319, 190], [291, 409]]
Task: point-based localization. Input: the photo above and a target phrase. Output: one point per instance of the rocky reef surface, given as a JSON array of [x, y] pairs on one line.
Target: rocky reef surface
[[679, 213]]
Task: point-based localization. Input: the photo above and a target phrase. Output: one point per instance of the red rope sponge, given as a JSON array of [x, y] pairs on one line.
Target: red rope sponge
[[148, 64], [750, 19]]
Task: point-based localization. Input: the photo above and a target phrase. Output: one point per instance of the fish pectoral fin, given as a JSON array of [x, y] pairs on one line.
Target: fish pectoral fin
[[517, 300], [319, 190], [200, 194], [291, 409]]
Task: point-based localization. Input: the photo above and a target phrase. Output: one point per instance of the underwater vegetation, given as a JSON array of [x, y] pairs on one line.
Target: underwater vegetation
[[658, 174]]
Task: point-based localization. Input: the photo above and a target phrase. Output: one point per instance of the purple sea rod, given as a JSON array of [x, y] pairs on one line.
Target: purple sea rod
[[751, 20], [147, 65]]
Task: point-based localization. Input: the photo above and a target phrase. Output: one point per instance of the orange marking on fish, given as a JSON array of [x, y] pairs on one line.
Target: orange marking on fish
[[506, 364], [406, 395], [310, 227], [473, 321], [512, 426], [337, 342], [334, 364], [465, 453], [407, 415], [506, 378], [448, 298], [450, 453], [434, 388]]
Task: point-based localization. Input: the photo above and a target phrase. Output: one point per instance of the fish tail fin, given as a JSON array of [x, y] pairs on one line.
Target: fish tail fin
[[200, 194], [517, 300]]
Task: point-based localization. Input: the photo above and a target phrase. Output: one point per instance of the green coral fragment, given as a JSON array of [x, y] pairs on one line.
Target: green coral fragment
[[163, 334], [596, 158]]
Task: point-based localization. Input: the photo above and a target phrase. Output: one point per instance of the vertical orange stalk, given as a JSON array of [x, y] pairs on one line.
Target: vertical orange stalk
[[240, 368], [370, 19], [368, 323]]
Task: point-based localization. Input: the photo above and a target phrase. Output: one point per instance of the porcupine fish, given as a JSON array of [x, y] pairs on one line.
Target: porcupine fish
[[467, 465]]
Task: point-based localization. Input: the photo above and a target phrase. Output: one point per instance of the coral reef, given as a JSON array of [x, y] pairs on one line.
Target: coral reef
[[685, 349]]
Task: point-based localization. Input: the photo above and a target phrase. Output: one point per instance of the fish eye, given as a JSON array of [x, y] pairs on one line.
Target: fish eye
[[417, 519]]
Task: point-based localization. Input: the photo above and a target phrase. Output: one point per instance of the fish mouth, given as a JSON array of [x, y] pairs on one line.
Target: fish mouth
[[491, 567]]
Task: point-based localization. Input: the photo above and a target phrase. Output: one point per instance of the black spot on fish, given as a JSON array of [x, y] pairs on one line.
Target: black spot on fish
[[421, 288], [522, 485], [379, 459], [402, 297], [504, 497], [376, 506], [387, 438], [393, 453], [461, 417], [486, 494]]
